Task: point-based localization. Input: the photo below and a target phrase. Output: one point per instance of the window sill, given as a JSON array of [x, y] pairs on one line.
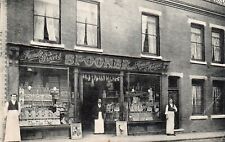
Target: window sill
[[218, 64], [218, 116], [90, 49], [47, 44], [150, 56], [198, 62], [198, 117]]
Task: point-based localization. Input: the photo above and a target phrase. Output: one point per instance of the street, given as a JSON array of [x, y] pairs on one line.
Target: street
[[206, 140]]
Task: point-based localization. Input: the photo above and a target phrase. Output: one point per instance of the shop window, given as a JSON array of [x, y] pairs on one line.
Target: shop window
[[197, 42], [47, 21], [142, 99], [217, 45], [150, 34], [44, 97], [197, 97], [218, 97], [88, 24]]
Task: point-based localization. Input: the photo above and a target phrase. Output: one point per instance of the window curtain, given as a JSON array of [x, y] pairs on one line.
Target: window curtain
[[149, 34], [196, 99], [196, 45], [87, 18], [52, 11], [217, 93], [216, 47]]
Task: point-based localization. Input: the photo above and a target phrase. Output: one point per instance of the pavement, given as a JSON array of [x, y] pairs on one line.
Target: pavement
[[208, 136]]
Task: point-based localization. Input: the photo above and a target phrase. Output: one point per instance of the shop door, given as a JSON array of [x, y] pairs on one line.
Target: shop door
[[91, 93], [173, 92]]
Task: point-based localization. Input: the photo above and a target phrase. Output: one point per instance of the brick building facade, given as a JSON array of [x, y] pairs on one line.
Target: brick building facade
[[132, 55]]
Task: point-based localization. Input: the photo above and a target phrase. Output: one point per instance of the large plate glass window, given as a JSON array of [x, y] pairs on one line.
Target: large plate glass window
[[142, 97], [44, 96]]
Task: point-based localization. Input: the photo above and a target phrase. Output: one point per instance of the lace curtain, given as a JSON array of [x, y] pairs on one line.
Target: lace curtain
[[196, 43], [216, 47], [197, 99]]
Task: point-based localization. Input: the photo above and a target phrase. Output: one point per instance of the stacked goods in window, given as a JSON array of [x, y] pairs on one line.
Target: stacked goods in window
[[112, 107], [143, 106], [35, 109]]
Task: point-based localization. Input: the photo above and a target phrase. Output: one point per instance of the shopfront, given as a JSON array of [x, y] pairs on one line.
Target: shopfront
[[58, 88]]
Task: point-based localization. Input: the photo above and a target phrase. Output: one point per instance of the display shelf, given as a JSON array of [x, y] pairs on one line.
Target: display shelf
[[142, 106]]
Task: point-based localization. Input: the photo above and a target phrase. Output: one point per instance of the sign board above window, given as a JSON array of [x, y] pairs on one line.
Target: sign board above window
[[66, 58]]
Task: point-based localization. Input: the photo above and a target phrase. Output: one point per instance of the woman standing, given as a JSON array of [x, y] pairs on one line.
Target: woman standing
[[12, 111], [170, 109]]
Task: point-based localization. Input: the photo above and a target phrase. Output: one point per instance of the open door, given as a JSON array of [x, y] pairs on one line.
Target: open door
[[173, 92]]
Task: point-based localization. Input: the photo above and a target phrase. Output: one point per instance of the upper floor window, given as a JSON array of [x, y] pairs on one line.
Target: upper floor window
[[150, 34], [217, 45], [197, 42], [218, 99], [88, 24], [47, 21], [197, 97]]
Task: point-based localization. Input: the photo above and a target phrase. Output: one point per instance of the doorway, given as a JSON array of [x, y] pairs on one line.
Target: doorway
[[91, 93], [173, 92]]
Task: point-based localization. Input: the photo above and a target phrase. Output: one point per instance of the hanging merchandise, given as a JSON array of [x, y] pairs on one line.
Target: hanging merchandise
[[92, 82]]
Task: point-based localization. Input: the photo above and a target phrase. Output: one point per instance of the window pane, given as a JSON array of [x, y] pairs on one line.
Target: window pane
[[39, 7], [47, 8], [52, 8], [149, 44], [52, 28], [80, 33], [217, 100], [92, 35], [38, 28], [196, 30], [149, 24], [193, 50], [197, 99], [87, 12], [152, 44], [199, 51]]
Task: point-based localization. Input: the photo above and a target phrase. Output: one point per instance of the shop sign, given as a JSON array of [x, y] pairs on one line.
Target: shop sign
[[117, 63], [41, 56], [90, 60], [220, 2]]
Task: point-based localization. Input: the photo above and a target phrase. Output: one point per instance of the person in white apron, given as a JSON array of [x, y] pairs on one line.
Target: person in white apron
[[170, 113], [12, 111], [99, 121]]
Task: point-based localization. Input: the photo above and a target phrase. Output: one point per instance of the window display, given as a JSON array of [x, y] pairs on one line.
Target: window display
[[142, 97], [44, 96]]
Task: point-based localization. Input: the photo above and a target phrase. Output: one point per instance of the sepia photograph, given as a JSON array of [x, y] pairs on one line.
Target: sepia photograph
[[112, 70]]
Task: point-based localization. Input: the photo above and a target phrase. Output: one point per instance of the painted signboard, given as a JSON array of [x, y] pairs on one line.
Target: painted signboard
[[66, 58]]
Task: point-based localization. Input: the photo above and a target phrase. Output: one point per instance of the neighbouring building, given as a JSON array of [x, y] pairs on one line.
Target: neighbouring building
[[65, 55]]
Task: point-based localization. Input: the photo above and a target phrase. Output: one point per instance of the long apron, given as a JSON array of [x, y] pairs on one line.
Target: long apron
[[170, 123], [12, 131]]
